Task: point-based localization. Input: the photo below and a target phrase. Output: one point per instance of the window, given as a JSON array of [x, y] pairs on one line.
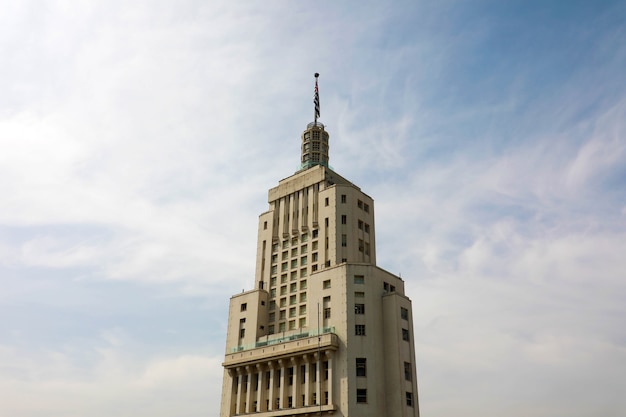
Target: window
[[242, 321], [283, 267], [244, 306], [264, 225], [361, 367], [326, 201], [367, 228], [360, 224], [326, 284], [404, 313], [285, 244], [302, 297], [275, 247], [407, 371], [242, 333], [292, 300], [281, 327], [359, 330], [367, 248], [303, 272], [270, 329], [344, 240], [302, 310], [285, 255], [273, 282], [303, 261], [327, 313], [290, 376], [314, 257], [359, 294], [272, 305], [292, 312], [314, 233], [294, 275], [326, 221], [302, 322], [344, 219], [303, 284], [359, 204], [283, 302], [366, 208], [343, 198], [294, 263], [359, 279], [361, 395], [292, 324], [294, 252], [283, 290], [359, 309], [409, 399], [361, 245], [283, 314], [405, 334], [272, 316], [303, 249], [290, 398], [304, 237], [293, 287], [325, 363], [274, 260]]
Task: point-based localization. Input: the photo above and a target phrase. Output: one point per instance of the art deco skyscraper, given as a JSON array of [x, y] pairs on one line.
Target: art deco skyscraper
[[325, 330]]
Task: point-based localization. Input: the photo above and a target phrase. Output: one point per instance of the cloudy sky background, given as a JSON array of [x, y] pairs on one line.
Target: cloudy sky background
[[138, 141]]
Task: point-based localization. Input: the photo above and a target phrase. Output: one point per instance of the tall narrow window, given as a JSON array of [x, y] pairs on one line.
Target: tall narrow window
[[343, 198], [344, 219], [409, 399], [405, 334], [361, 395], [407, 371], [344, 240], [404, 313], [359, 309], [361, 367]]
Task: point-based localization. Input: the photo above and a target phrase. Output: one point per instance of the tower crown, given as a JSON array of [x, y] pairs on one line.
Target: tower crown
[[314, 146], [314, 150]]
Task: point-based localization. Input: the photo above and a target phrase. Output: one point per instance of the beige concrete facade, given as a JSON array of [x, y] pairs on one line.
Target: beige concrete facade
[[324, 330]]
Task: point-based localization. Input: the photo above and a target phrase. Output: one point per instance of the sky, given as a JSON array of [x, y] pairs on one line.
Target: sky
[[138, 141]]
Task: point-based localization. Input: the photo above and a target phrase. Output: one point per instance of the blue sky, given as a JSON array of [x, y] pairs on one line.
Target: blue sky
[[139, 141]]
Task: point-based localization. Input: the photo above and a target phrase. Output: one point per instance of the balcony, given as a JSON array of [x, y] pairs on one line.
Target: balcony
[[282, 345]]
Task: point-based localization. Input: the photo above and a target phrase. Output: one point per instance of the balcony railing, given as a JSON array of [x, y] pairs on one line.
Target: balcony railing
[[277, 338]]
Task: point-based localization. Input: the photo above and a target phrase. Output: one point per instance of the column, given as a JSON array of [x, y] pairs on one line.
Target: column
[[272, 367], [283, 383], [318, 377], [239, 391], [307, 380], [329, 355], [233, 391], [260, 397], [296, 391], [249, 400]]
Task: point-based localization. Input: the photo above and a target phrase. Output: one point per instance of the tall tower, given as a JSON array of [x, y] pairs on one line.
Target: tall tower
[[325, 330]]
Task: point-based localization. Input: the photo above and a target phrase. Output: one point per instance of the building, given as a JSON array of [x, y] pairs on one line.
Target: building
[[325, 330]]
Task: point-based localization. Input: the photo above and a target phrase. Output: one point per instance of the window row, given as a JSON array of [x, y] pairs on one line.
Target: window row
[[292, 300], [361, 397]]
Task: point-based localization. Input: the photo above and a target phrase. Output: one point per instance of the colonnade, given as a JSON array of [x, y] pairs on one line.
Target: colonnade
[[291, 382]]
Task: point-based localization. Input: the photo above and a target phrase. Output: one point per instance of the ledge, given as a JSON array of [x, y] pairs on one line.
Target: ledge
[[312, 410], [327, 341]]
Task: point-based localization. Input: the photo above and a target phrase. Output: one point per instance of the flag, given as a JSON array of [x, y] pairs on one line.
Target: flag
[[316, 101]]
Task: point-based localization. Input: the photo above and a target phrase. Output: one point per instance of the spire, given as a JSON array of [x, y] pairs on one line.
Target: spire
[[314, 138]]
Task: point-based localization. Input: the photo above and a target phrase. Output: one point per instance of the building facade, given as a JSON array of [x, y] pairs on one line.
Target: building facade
[[325, 330]]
